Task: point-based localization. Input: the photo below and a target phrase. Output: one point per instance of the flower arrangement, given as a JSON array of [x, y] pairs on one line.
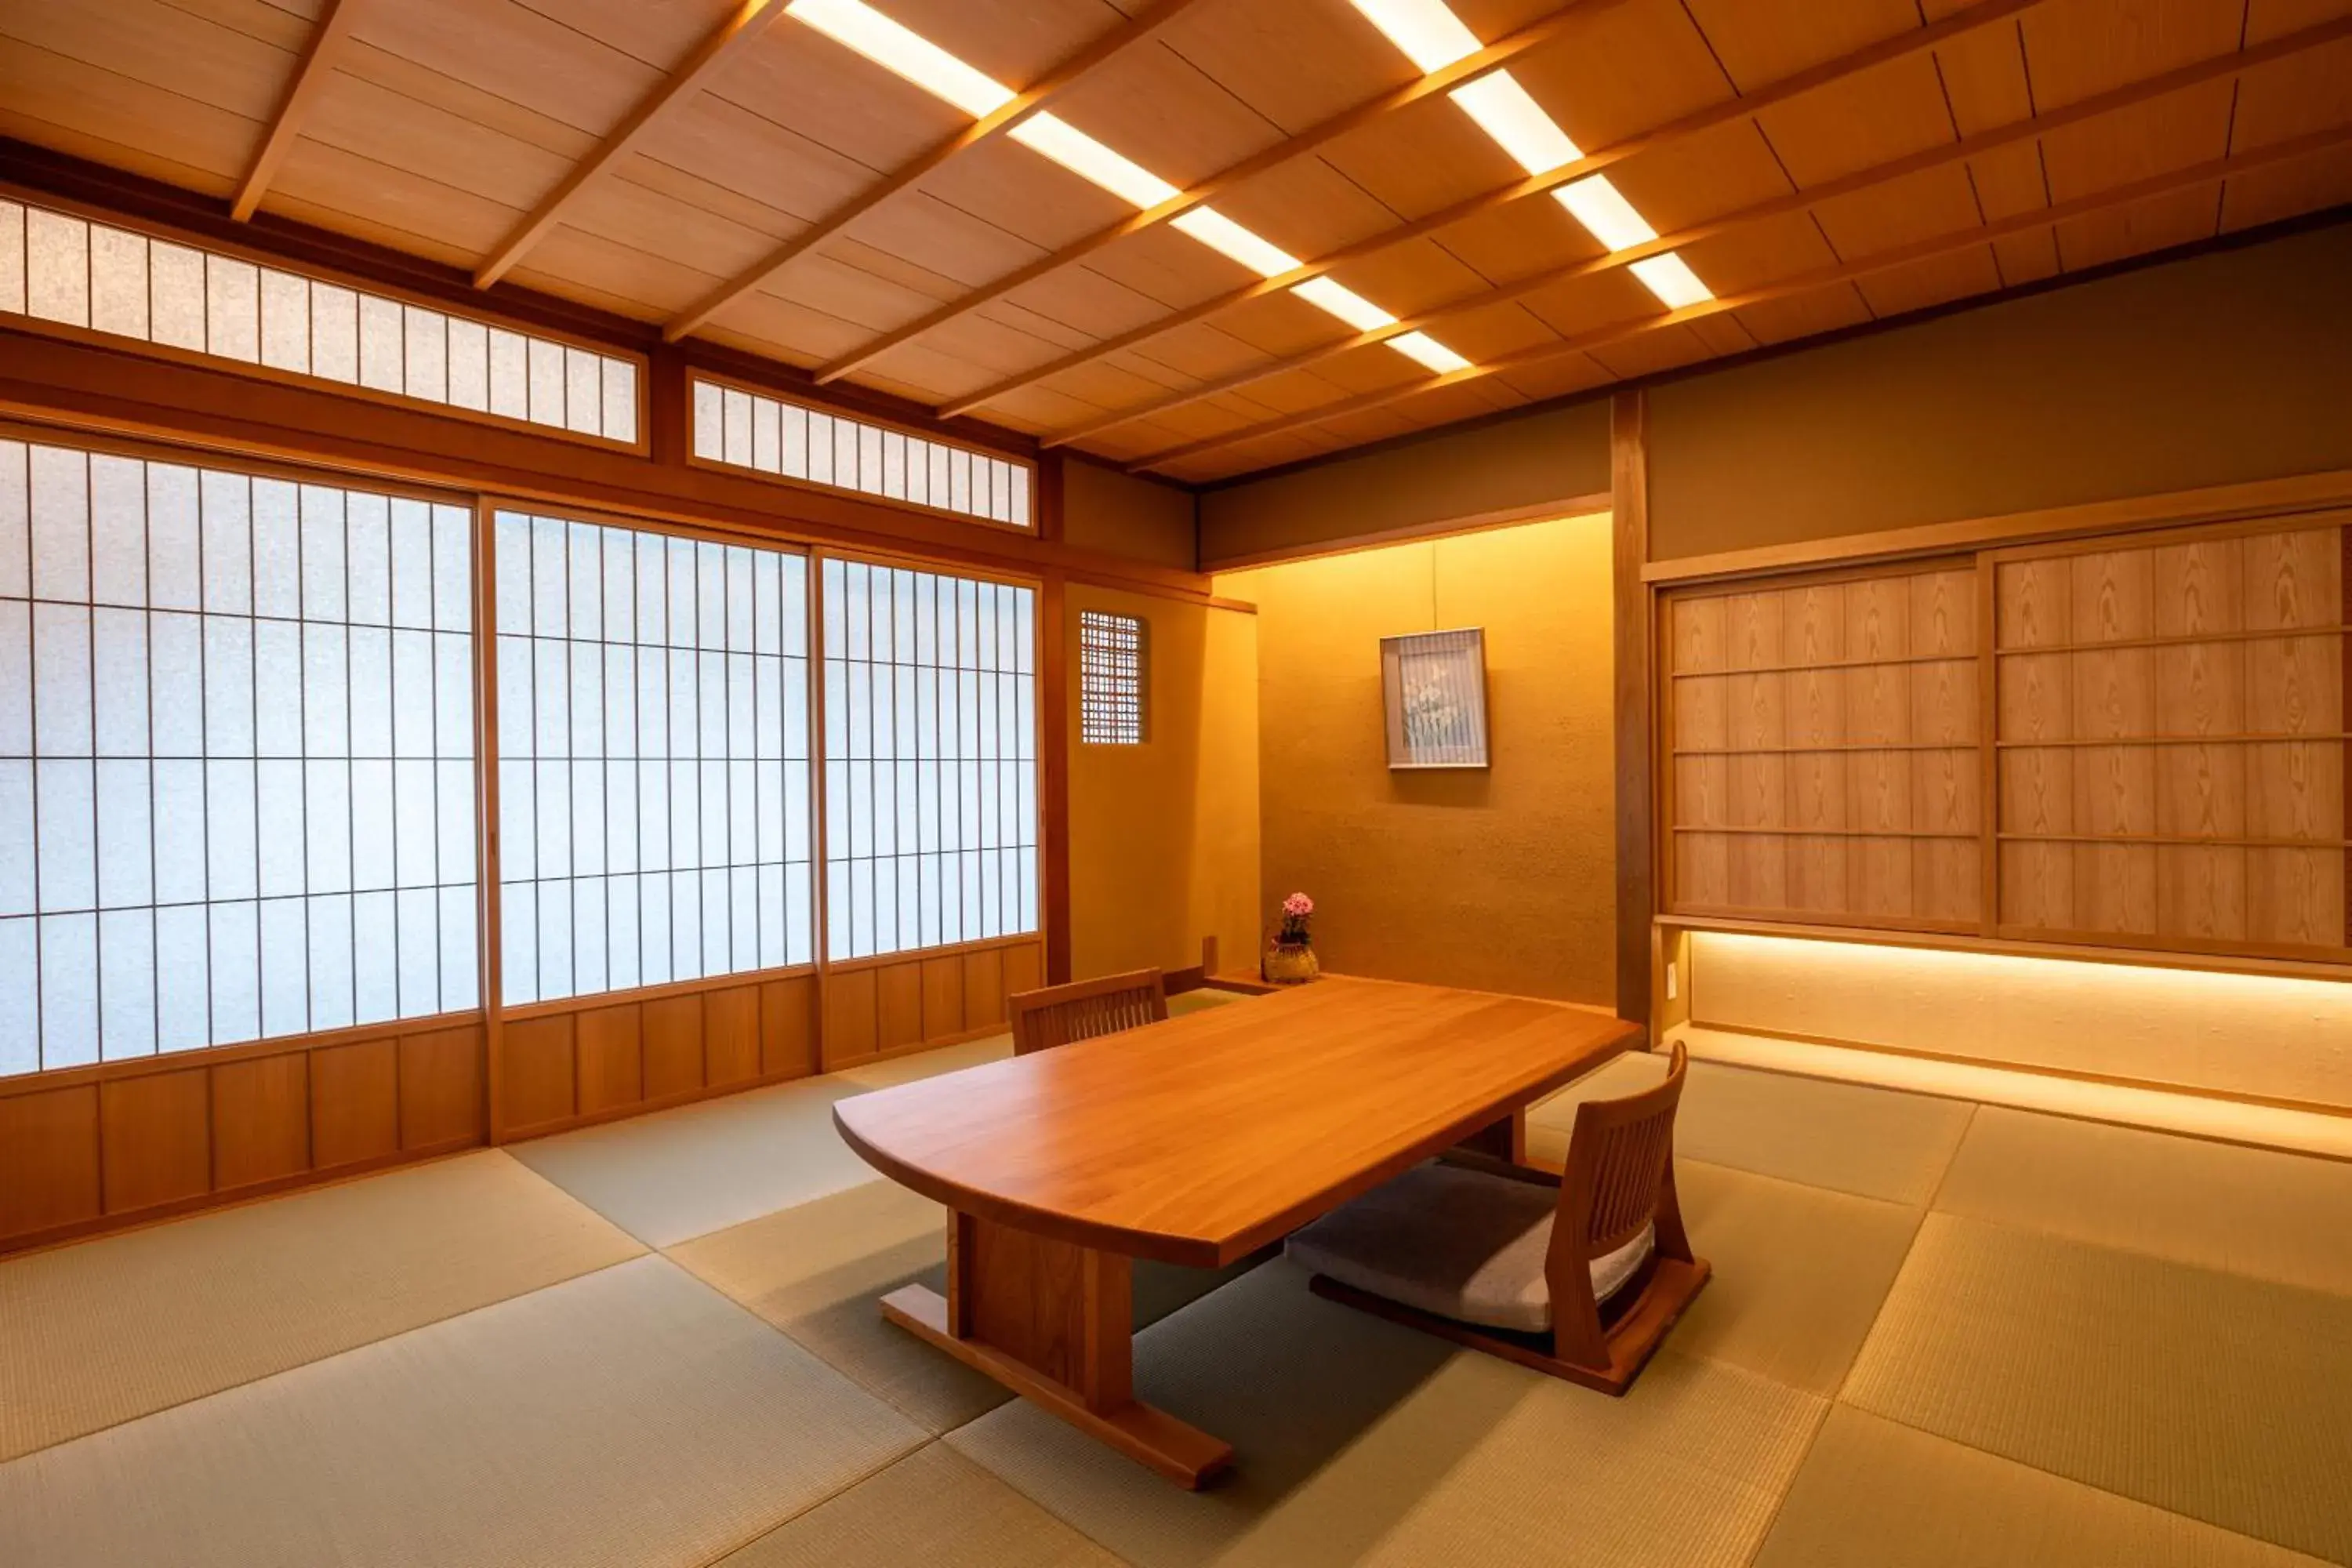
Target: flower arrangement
[[1296, 909]]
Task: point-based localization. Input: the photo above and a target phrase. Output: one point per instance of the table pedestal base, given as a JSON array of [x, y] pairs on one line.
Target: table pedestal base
[[1053, 1323]]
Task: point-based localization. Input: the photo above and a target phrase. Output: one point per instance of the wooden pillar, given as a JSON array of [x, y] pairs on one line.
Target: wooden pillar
[[1636, 820]]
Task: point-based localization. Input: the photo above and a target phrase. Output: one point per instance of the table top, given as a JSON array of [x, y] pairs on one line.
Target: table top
[[1199, 1140]]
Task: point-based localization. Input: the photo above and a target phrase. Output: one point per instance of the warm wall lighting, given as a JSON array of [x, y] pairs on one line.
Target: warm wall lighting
[[901, 50], [1222, 235]]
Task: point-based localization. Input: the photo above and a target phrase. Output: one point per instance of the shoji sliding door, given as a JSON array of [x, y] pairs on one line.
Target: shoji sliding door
[[931, 843], [654, 809]]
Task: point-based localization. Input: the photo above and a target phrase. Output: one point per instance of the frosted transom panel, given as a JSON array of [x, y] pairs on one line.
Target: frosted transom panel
[[653, 758], [771, 436], [930, 752], [236, 733], [57, 267]]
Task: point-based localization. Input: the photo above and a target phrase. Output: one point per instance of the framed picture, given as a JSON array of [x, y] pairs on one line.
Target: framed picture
[[1433, 689]]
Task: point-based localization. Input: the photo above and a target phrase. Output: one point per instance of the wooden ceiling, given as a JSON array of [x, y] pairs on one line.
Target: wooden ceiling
[[721, 168]]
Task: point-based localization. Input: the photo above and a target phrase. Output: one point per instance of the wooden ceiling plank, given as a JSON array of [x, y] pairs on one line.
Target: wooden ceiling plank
[[689, 78], [1969, 19], [2096, 204], [1467, 69], [310, 74], [2221, 68], [1073, 69]]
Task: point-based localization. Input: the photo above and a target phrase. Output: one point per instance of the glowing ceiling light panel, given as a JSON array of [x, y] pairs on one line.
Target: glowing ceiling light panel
[[1090, 160], [1222, 234], [1430, 34], [1436, 355], [1345, 303], [1669, 277], [1597, 204], [1517, 123], [857, 25]]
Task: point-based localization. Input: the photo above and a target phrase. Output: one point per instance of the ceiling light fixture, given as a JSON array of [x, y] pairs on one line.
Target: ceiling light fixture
[[1432, 353], [904, 52], [1429, 33], [1222, 235], [1090, 160], [1345, 303], [1669, 277], [1517, 123]]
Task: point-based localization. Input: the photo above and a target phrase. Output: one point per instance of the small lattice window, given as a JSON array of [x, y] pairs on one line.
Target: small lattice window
[[1110, 680]]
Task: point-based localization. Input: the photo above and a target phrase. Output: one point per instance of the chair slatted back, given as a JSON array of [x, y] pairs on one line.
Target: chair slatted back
[[1059, 1014], [1619, 1161]]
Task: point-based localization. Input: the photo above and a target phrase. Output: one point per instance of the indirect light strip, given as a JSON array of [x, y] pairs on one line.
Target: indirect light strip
[[1431, 37], [907, 54]]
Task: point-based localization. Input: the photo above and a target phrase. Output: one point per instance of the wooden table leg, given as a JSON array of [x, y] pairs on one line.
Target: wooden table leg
[[1505, 1140], [1053, 1323]]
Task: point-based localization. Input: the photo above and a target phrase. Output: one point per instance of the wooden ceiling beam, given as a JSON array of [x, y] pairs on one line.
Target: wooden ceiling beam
[[1943, 31], [1445, 78], [749, 20], [2221, 68], [327, 39], [1805, 283], [1067, 74]]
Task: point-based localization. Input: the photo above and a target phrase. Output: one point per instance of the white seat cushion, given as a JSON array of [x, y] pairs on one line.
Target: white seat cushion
[[1460, 1243]]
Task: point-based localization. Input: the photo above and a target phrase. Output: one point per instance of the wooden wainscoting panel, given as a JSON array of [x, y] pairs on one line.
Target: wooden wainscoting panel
[[441, 1088], [48, 1160], [610, 1058], [261, 1119], [537, 1059], [852, 1027], [730, 1035], [1025, 968], [942, 997], [155, 1139], [898, 1005], [673, 1041], [983, 988], [354, 1103], [787, 1028]]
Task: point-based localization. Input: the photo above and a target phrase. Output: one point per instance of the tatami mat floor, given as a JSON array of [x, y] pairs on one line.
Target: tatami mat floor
[[1939, 1334]]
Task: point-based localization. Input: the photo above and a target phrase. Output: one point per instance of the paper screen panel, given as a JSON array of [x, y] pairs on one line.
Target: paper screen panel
[[653, 758], [237, 726], [1110, 680], [930, 697]]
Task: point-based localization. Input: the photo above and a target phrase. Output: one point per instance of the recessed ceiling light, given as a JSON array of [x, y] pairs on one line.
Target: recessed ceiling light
[[1345, 303], [1597, 204], [1517, 123], [1430, 35], [1429, 352], [859, 26], [1220, 233], [1089, 159], [1669, 277]]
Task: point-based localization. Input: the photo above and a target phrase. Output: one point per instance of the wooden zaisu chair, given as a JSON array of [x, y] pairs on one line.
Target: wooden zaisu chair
[[1579, 1275], [1059, 1014]]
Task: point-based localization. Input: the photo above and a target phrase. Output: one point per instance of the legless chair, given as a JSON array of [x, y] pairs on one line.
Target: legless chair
[[1580, 1278], [1060, 1013]]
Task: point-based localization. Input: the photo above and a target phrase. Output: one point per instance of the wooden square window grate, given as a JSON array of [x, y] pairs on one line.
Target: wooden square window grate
[[1110, 680]]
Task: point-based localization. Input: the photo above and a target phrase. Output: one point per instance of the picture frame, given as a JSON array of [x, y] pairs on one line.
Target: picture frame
[[1434, 699]]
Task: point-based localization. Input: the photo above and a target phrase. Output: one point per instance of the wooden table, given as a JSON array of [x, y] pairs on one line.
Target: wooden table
[[1197, 1141]]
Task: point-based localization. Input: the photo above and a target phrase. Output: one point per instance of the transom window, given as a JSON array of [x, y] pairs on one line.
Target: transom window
[[1110, 680]]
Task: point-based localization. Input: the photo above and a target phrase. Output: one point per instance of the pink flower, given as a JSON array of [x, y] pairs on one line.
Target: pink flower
[[1298, 906]]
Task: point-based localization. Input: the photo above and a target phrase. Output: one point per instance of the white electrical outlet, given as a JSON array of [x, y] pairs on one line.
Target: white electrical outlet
[[1673, 980]]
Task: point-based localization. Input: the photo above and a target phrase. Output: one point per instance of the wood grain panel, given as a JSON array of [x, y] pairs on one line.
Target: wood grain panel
[[539, 1071], [942, 997], [983, 988], [787, 1036], [155, 1137], [898, 1004], [1025, 968], [610, 1058], [2153, 787], [730, 1035], [354, 1103], [261, 1119], [851, 1025], [48, 1160], [441, 1088], [1826, 737], [673, 1046]]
